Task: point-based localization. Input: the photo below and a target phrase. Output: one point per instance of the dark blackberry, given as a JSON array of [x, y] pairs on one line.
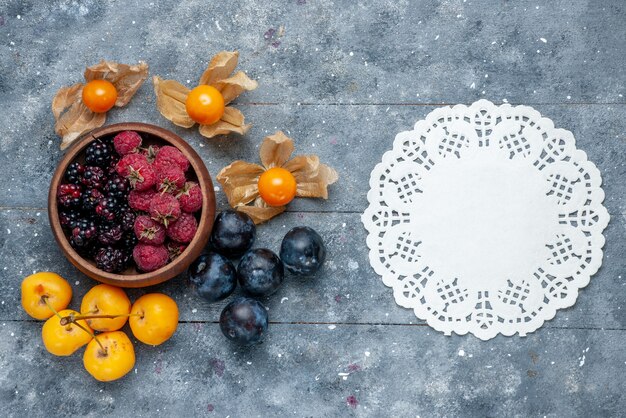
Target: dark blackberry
[[126, 218], [99, 153], [107, 208], [117, 186], [68, 218], [90, 199], [109, 233], [83, 233], [74, 173], [112, 260], [70, 195], [128, 241], [94, 177]]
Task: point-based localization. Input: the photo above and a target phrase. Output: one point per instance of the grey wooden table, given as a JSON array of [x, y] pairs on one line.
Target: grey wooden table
[[342, 78]]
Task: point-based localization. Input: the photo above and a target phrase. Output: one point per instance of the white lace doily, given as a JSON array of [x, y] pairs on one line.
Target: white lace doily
[[485, 219]]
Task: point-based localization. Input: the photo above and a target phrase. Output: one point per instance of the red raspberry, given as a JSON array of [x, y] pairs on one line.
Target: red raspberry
[[138, 171], [127, 142], [141, 200], [170, 178], [183, 229], [190, 197], [149, 231], [151, 152], [175, 249], [164, 208], [150, 257], [169, 155]]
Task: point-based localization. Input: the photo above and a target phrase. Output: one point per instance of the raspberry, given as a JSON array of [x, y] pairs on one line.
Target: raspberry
[[99, 153], [169, 155], [107, 208], [90, 199], [183, 229], [150, 152], [138, 171], [149, 231], [109, 233], [117, 186], [175, 249], [93, 177], [150, 257], [127, 142], [141, 200], [170, 178], [112, 260], [69, 195], [190, 197], [74, 172], [164, 208]]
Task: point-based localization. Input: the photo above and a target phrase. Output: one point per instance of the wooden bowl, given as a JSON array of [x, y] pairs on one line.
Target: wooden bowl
[[131, 277]]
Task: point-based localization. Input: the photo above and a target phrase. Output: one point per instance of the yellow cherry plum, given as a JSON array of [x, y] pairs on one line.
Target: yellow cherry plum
[[64, 340], [154, 318], [109, 356], [104, 299], [39, 288]]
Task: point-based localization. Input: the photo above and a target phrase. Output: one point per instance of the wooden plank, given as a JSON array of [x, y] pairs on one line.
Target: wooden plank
[[312, 371], [346, 290]]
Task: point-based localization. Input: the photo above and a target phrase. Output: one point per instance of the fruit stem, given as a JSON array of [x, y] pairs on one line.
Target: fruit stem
[[73, 318], [88, 332], [45, 300], [69, 321]]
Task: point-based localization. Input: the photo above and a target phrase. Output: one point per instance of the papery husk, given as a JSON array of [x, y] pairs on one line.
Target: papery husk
[[231, 121], [312, 177], [261, 212], [276, 150], [233, 86], [126, 78], [239, 181], [221, 66], [171, 97], [72, 117]]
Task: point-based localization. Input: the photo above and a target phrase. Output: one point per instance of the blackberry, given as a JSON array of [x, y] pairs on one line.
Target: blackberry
[[83, 233], [94, 177], [74, 173], [109, 233], [90, 199], [126, 218], [68, 218], [99, 153], [111, 169], [112, 260], [128, 241], [69, 195], [107, 208], [117, 186]]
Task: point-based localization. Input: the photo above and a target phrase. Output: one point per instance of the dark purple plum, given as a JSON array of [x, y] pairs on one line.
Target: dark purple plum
[[213, 276], [260, 272], [244, 321], [233, 233], [302, 251]]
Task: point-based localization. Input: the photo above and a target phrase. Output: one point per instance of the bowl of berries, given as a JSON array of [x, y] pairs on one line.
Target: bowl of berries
[[131, 204]]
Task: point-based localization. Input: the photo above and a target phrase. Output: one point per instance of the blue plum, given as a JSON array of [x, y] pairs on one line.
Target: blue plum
[[233, 233], [302, 251], [260, 272], [244, 321], [213, 276]]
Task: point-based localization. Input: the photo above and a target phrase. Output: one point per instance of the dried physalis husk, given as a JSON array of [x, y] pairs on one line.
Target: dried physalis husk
[[73, 118], [239, 180], [172, 96]]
